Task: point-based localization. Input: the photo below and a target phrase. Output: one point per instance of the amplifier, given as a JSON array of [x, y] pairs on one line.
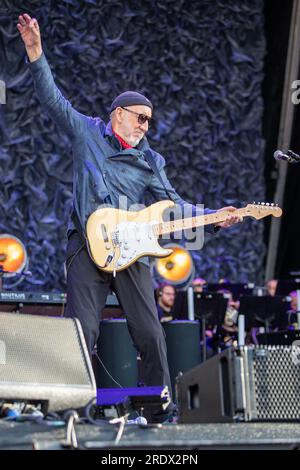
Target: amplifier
[[44, 360], [279, 337], [245, 384], [47, 303], [16, 297], [35, 303]]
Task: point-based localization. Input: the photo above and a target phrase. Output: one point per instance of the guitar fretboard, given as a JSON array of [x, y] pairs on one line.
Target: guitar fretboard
[[191, 222]]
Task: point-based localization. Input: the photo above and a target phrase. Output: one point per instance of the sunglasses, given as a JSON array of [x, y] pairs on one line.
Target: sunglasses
[[142, 118]]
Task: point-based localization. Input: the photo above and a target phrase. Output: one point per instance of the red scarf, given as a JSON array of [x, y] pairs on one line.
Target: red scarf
[[122, 141]]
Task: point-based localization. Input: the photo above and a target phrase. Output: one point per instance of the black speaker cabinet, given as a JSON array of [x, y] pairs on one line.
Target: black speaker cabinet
[[244, 384], [117, 354], [183, 346], [44, 360]]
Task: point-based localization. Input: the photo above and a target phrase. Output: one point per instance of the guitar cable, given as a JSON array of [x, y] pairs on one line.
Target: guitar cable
[[106, 370], [67, 266]]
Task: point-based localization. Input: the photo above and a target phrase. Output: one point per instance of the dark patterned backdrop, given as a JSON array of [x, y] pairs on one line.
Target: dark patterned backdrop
[[201, 65]]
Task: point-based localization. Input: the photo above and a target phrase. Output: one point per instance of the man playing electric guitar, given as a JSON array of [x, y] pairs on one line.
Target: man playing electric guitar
[[110, 161]]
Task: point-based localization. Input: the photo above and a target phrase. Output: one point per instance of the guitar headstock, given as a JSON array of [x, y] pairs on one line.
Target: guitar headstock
[[262, 209]]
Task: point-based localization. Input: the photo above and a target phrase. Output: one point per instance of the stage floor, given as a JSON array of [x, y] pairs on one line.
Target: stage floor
[[251, 436]]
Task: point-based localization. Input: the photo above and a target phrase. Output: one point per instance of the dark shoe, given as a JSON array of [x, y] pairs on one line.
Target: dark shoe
[[162, 416]]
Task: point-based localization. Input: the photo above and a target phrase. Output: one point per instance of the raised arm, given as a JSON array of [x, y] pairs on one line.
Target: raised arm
[[59, 109], [31, 36]]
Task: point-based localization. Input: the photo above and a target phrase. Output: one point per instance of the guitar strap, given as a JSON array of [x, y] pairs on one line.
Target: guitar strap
[[150, 160]]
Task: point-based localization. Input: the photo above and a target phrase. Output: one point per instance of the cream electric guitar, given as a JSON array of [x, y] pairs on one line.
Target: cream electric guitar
[[117, 238]]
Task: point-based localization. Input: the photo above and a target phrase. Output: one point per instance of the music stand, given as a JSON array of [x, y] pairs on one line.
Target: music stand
[[267, 311], [209, 308], [285, 286], [237, 288]]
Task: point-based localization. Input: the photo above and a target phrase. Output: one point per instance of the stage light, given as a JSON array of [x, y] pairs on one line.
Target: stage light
[[13, 258], [177, 269]]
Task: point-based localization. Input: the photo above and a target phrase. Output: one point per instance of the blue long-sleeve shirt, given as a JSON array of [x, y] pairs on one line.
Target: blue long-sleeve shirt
[[102, 171]]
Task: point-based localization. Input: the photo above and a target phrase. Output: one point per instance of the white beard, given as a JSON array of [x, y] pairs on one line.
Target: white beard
[[135, 141]]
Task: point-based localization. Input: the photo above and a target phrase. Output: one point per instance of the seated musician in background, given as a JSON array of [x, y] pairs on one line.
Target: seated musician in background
[[199, 284], [229, 327], [271, 286], [166, 294], [292, 312]]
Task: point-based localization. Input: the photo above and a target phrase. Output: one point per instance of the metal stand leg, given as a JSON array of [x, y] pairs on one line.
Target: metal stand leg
[[241, 330], [203, 323], [298, 308], [191, 307]]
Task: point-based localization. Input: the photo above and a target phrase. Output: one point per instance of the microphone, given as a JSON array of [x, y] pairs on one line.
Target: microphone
[[278, 155], [289, 157]]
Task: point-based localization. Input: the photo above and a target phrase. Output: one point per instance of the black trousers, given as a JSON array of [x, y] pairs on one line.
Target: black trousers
[[87, 290]]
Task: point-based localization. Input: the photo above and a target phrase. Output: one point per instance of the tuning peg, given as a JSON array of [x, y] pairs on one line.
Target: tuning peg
[[267, 203]]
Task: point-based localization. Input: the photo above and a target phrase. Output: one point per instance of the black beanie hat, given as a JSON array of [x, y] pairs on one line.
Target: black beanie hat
[[130, 98]]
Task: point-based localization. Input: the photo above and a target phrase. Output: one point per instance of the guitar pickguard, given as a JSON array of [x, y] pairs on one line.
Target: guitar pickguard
[[133, 240]]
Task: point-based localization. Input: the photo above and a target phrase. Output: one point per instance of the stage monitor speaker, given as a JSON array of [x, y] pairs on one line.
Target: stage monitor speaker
[[244, 384], [183, 346], [117, 354], [44, 360]]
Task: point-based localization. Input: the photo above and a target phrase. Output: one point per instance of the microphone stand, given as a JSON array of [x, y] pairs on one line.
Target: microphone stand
[[289, 156], [295, 158]]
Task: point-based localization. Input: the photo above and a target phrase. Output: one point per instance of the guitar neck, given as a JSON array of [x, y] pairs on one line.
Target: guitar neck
[[198, 221]]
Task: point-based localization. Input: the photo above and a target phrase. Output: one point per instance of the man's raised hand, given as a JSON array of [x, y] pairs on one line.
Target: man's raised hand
[[31, 36]]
